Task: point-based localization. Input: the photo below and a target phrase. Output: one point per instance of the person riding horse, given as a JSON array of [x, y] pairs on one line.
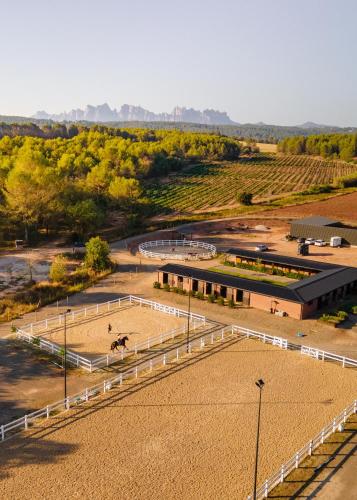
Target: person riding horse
[[121, 342]]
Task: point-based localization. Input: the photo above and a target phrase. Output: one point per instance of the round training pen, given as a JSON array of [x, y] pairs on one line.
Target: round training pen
[[177, 250]]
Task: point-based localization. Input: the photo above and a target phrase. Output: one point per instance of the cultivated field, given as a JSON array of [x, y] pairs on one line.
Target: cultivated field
[[188, 435], [343, 208], [90, 337], [207, 187]]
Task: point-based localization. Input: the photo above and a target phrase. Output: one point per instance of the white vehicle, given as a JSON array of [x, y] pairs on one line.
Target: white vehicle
[[310, 241], [320, 243], [261, 248], [335, 241]]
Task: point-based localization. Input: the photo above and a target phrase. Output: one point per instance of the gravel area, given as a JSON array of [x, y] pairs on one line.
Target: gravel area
[[91, 337], [190, 435]]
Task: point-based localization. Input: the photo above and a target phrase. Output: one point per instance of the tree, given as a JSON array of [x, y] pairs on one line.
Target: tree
[[58, 269], [85, 216], [97, 254], [245, 198], [124, 190]]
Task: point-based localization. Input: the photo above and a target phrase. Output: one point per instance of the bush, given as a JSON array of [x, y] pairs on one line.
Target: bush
[[97, 254], [166, 287], [200, 296], [58, 269], [354, 309], [175, 289], [211, 298], [181, 291], [245, 198], [36, 341], [192, 293], [231, 303], [220, 301], [342, 314], [157, 284]]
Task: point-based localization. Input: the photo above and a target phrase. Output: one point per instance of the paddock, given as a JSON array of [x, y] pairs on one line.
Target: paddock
[[189, 434], [90, 337]]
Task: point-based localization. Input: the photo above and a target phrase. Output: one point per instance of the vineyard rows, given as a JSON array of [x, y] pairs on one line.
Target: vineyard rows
[[207, 186]]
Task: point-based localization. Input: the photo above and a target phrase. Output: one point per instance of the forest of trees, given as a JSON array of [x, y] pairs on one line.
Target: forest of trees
[[341, 146], [73, 180]]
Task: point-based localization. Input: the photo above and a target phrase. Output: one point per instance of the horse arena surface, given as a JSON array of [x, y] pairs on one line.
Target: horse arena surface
[[185, 432], [90, 336]]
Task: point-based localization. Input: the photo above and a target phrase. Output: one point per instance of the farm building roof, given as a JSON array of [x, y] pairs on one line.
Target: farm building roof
[[315, 220], [255, 286], [301, 291], [272, 258]]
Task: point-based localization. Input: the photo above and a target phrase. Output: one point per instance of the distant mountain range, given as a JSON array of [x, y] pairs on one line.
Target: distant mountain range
[[128, 113]]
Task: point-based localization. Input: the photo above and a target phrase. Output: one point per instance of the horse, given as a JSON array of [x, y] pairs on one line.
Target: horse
[[119, 343]]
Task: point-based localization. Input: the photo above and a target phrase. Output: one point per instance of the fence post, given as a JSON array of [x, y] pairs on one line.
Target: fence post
[[86, 393], [47, 412], [297, 456], [2, 433], [148, 342], [310, 448], [67, 403], [322, 436], [343, 362], [151, 365], [282, 470], [222, 334], [266, 489], [202, 342], [334, 425], [136, 372], [121, 379], [164, 360], [85, 312], [104, 386], [136, 350], [212, 338], [26, 423]]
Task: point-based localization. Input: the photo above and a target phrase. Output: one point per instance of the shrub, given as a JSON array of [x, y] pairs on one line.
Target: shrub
[[354, 309], [36, 341], [200, 296], [97, 254], [175, 289], [342, 314], [211, 298], [221, 301], [58, 269], [157, 284], [231, 303], [166, 287], [245, 198], [192, 293], [181, 291]]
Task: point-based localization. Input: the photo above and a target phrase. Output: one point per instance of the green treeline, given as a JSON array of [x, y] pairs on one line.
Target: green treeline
[[339, 146], [73, 181]]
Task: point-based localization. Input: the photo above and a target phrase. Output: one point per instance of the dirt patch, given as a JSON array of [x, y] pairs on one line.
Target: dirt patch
[[342, 208], [189, 435]]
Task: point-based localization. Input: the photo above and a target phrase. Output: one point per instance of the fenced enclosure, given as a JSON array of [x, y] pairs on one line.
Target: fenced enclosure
[[161, 360], [177, 250], [33, 332]]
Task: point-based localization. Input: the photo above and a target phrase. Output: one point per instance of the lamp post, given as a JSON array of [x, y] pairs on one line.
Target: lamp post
[[189, 314], [260, 384], [65, 354]]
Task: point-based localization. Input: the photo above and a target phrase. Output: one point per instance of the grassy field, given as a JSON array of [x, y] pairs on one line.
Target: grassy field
[[211, 187]]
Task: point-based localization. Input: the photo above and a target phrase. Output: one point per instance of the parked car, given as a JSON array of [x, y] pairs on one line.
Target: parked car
[[320, 243], [261, 248], [309, 241]]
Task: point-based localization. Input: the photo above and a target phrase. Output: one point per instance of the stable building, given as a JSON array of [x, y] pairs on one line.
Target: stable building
[[299, 299], [322, 228]]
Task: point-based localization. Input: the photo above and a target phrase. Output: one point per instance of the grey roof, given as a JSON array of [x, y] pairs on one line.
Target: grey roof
[[272, 258], [282, 292], [315, 220], [301, 291], [324, 282]]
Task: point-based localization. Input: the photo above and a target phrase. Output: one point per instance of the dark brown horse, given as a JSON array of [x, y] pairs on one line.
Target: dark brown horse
[[119, 343]]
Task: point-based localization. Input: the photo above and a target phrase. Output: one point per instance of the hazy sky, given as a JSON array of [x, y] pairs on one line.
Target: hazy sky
[[277, 61]]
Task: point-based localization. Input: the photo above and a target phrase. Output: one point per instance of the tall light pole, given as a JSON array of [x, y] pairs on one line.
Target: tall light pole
[[260, 384], [189, 314], [65, 354]]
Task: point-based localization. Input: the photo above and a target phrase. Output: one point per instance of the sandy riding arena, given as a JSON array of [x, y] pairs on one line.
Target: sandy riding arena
[[91, 337], [187, 432]]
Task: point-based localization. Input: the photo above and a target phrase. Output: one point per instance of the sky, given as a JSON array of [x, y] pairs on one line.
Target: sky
[[279, 61]]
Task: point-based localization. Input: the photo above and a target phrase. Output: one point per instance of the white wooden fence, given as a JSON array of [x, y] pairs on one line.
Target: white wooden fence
[[285, 344], [87, 394], [26, 333], [337, 424], [149, 249]]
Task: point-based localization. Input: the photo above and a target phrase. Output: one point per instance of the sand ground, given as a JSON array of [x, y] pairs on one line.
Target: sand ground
[[188, 435], [91, 337]]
